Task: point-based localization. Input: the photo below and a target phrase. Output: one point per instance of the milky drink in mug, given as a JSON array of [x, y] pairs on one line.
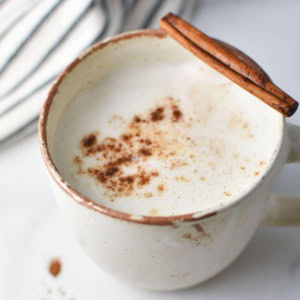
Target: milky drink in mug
[[164, 135], [163, 166]]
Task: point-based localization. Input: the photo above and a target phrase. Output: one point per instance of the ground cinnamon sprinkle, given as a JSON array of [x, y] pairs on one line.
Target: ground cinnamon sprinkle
[[137, 119], [127, 179], [158, 114], [144, 178], [145, 152], [78, 162], [89, 140], [111, 171], [160, 188], [55, 267], [126, 137], [129, 151], [177, 114]]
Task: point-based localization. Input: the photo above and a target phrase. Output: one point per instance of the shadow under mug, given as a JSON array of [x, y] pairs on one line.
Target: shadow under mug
[[157, 252]]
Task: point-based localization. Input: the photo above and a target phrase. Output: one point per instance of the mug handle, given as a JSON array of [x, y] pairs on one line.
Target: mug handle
[[285, 210]]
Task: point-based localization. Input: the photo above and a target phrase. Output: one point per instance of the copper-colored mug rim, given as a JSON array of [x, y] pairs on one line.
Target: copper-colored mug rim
[[85, 201]]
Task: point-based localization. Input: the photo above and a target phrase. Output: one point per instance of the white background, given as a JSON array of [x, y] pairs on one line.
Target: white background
[[32, 231]]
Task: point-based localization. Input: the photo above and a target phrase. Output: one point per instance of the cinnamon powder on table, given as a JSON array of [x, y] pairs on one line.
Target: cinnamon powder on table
[[55, 267]]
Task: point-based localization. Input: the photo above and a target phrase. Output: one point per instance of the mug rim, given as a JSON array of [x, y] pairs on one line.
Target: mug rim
[[85, 201]]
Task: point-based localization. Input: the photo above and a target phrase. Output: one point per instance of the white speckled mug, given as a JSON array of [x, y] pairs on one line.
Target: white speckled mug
[[157, 252]]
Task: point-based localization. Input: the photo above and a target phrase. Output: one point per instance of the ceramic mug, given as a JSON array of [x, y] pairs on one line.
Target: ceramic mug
[[157, 252]]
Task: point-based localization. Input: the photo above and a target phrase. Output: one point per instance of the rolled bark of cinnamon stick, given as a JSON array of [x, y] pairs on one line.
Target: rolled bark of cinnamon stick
[[230, 62]]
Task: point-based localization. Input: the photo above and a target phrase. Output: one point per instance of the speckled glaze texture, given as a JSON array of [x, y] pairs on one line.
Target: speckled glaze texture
[[165, 257], [156, 252]]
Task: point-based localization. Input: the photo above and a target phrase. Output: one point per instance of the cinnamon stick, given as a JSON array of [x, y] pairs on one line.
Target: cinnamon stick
[[230, 62]]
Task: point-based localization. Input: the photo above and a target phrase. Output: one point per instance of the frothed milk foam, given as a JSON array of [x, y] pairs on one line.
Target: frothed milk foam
[[161, 133]]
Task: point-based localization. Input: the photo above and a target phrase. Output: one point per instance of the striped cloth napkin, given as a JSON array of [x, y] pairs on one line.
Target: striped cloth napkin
[[39, 38]]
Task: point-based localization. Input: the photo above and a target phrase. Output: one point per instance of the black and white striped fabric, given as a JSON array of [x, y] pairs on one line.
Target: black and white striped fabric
[[39, 38]]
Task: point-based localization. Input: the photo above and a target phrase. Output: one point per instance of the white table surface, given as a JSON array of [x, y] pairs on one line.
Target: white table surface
[[32, 231]]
